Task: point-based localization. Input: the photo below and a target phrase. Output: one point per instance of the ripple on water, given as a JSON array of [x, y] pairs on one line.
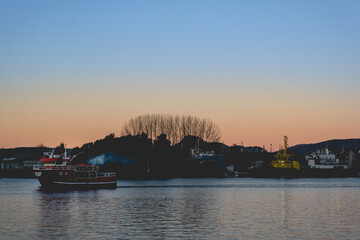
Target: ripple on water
[[185, 209]]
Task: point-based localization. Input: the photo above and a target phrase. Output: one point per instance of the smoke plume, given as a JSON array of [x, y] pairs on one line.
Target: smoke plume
[[108, 158]]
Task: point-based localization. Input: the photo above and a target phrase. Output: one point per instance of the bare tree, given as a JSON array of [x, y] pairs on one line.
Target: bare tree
[[175, 127]]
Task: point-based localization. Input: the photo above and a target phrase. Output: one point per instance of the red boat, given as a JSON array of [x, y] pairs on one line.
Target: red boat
[[56, 172]]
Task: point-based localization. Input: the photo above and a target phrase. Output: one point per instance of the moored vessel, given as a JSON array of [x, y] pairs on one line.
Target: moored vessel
[[198, 154], [324, 163], [204, 163], [281, 167], [57, 172]]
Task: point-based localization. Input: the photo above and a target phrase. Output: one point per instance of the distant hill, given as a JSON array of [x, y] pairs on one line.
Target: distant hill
[[255, 149], [336, 145]]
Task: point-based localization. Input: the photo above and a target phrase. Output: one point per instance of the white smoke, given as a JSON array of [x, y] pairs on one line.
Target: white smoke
[[98, 160], [108, 158]]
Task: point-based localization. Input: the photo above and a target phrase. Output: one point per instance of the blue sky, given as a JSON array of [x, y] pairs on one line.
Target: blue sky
[[122, 47], [181, 37]]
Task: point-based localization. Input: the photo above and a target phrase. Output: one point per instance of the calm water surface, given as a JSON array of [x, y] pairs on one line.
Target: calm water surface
[[185, 209]]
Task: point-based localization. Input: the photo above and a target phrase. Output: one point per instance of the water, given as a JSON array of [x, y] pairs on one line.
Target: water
[[185, 209]]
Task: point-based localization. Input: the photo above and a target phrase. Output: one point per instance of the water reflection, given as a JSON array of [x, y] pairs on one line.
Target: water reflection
[[284, 211], [185, 209], [65, 214], [54, 215], [155, 212]]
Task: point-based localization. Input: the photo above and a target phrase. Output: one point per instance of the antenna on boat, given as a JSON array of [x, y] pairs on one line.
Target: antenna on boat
[[52, 153], [74, 157], [197, 144]]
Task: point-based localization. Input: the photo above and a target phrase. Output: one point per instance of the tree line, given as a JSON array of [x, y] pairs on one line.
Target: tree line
[[175, 127], [139, 157]]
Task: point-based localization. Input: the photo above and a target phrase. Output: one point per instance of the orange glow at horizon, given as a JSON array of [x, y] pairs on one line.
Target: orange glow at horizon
[[250, 117]]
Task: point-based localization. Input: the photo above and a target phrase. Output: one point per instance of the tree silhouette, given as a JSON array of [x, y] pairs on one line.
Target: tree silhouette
[[174, 127], [60, 150]]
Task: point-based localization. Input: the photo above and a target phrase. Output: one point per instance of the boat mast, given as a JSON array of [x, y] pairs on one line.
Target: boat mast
[[65, 151], [285, 144]]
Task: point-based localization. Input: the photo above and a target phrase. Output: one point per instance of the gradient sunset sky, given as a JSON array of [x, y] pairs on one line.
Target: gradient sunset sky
[[75, 71]]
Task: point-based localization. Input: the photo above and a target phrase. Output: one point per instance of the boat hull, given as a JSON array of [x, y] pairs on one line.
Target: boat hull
[[272, 172], [78, 186], [68, 179], [328, 173]]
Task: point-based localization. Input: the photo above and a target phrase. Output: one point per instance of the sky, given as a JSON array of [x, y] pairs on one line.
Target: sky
[[76, 71]]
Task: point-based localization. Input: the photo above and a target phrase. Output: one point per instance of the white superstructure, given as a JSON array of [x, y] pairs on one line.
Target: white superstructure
[[197, 153], [324, 159]]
